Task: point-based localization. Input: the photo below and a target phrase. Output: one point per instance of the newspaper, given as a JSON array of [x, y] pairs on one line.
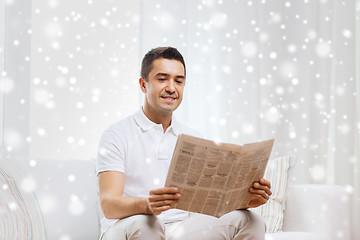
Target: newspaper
[[214, 178]]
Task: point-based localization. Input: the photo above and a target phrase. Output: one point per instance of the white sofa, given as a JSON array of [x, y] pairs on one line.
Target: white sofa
[[67, 194]]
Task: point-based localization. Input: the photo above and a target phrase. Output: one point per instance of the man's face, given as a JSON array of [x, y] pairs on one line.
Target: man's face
[[165, 85]]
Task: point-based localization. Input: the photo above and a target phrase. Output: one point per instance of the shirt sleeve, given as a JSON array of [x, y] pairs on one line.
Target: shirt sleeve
[[111, 153]]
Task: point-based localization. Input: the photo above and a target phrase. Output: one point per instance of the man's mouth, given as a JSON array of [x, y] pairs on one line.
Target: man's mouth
[[168, 98]]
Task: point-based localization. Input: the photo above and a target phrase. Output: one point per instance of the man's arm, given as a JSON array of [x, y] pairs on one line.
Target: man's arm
[[116, 206]]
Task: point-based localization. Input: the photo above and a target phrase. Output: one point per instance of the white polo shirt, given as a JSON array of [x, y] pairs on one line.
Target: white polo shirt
[[141, 150]]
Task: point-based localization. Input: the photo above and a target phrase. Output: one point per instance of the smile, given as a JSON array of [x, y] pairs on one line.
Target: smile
[[169, 98]]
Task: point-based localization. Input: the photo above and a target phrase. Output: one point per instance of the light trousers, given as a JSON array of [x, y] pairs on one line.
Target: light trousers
[[236, 225]]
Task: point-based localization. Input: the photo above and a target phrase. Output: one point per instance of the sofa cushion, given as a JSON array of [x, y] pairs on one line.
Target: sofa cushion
[[277, 172]]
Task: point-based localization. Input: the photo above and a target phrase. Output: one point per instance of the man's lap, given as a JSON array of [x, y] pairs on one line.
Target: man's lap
[[197, 226], [201, 226]]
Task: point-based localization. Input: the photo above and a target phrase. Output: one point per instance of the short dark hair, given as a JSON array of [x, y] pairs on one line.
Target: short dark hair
[[156, 53]]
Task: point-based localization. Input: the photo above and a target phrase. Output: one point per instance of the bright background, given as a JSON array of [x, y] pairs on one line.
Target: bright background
[[255, 70]]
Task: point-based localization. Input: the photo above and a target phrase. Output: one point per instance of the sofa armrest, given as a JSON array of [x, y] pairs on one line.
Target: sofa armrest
[[323, 209]]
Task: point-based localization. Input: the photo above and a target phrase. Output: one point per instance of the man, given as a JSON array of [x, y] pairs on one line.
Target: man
[[133, 161]]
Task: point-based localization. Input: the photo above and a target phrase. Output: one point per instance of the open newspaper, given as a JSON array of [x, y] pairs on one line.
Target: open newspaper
[[214, 178]]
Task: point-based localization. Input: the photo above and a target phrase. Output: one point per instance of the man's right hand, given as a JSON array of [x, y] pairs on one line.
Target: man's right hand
[[160, 199]]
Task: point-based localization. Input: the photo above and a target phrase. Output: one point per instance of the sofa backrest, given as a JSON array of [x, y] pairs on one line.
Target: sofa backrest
[[318, 208]]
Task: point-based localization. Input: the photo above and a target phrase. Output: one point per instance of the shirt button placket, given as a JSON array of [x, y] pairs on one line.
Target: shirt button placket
[[161, 147]]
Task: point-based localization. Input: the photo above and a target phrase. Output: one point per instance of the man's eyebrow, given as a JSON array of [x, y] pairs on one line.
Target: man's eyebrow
[[165, 75], [161, 74]]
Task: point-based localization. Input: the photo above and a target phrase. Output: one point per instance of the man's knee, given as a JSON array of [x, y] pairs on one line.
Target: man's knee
[[257, 220], [255, 226], [136, 227], [246, 224]]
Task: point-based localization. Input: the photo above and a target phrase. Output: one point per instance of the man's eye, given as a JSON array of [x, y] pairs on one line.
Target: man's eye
[[178, 81], [162, 79]]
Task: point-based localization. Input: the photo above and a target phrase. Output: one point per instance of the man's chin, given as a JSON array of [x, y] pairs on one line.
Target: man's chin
[[169, 108]]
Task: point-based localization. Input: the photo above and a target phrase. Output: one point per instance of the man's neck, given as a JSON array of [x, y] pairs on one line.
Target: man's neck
[[158, 118]]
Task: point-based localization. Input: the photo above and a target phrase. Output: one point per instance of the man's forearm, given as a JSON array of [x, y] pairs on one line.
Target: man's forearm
[[116, 207]]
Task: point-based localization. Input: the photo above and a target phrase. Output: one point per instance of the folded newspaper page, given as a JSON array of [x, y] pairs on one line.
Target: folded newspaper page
[[214, 178]]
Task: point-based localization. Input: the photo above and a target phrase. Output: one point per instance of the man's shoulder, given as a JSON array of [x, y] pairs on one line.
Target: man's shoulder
[[122, 126]]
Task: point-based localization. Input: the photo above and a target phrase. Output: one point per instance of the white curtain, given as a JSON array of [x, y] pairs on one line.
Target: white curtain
[[356, 179], [87, 53], [263, 69]]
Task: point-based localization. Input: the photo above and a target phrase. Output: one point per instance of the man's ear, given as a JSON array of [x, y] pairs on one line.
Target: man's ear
[[142, 84]]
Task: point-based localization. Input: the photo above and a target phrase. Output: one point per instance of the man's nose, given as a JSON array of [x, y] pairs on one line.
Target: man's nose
[[170, 86]]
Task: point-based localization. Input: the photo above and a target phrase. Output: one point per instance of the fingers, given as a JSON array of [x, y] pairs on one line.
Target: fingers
[[155, 198], [264, 185], [164, 190], [162, 203], [257, 200], [158, 210], [263, 181], [260, 192], [161, 199]]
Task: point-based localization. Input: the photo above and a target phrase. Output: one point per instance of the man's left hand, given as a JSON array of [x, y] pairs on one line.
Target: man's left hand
[[260, 192]]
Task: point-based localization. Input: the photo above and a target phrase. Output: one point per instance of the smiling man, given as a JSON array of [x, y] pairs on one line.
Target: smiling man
[[133, 160]]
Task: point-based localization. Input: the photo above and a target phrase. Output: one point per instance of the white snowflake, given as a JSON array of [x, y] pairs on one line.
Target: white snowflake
[[71, 178], [65, 237], [166, 21], [347, 33], [235, 134], [248, 128], [226, 69], [272, 115], [53, 30], [156, 181], [28, 184], [47, 203], [249, 49], [76, 206], [6, 85], [13, 138], [317, 172], [344, 128], [292, 134], [288, 69], [218, 20], [323, 49], [41, 132], [32, 163]]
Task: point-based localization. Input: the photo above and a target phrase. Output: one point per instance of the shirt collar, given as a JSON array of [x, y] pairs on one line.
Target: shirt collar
[[175, 125], [146, 124]]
